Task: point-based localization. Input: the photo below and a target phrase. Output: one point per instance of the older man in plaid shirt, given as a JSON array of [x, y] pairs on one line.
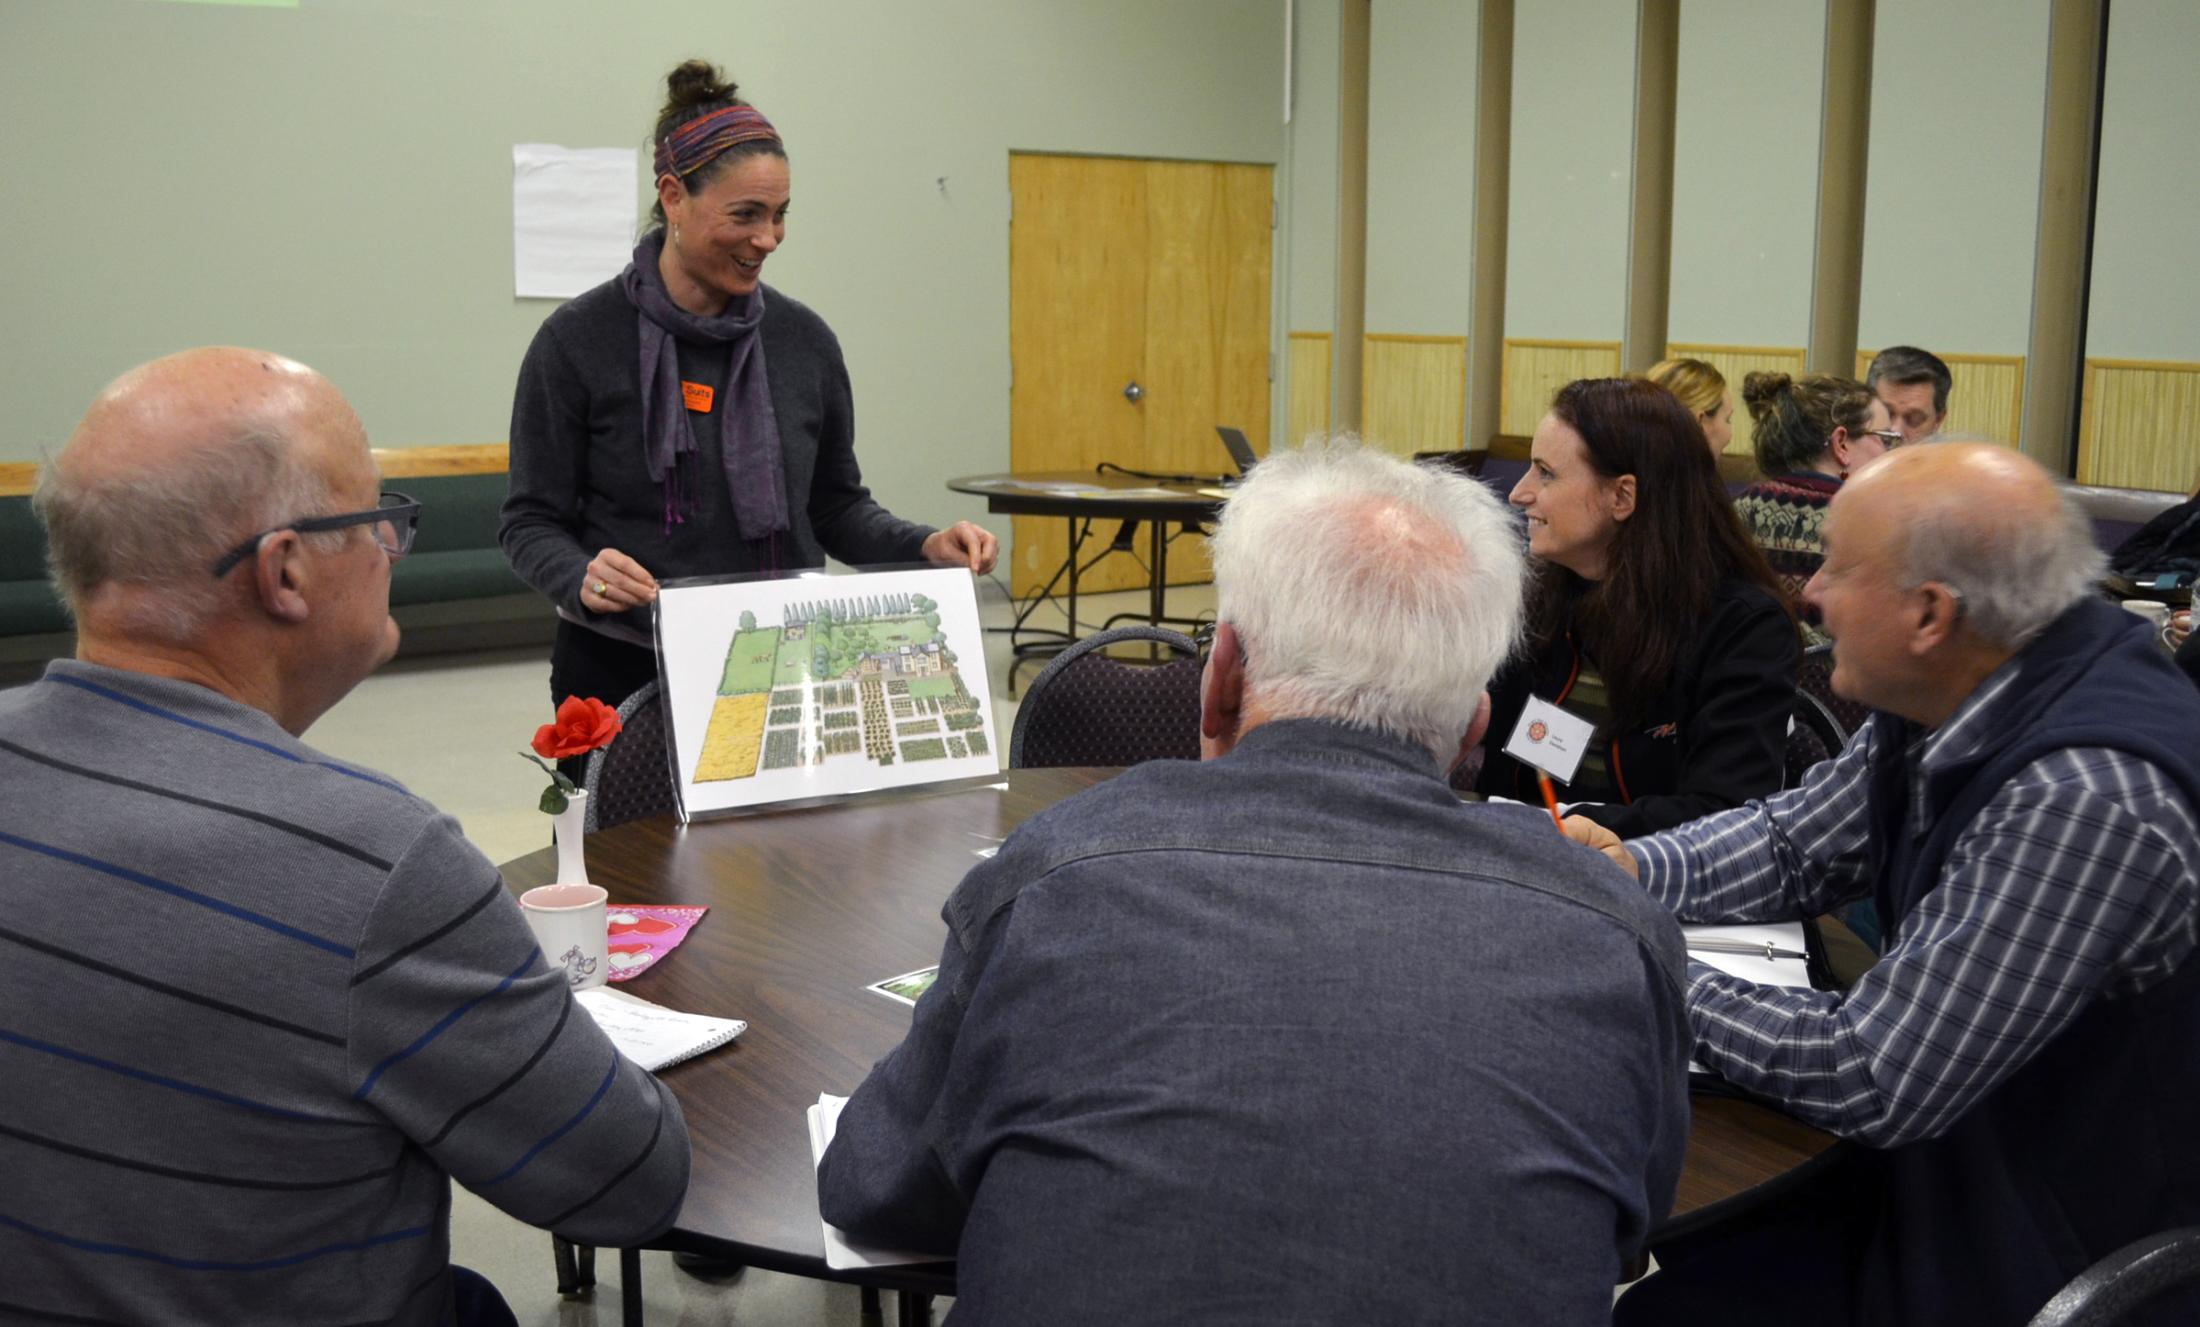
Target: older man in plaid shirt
[[2020, 1067]]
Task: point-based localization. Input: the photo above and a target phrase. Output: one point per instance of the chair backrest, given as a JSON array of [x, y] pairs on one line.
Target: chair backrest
[[1085, 708], [1813, 735], [1815, 679], [631, 778], [2107, 1292]]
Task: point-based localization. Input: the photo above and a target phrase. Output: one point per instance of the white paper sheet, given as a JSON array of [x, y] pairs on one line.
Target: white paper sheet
[[841, 1253], [651, 1035], [573, 215], [1753, 967]]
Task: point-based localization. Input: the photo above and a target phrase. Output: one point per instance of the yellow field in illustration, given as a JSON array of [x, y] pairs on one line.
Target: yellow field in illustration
[[735, 735]]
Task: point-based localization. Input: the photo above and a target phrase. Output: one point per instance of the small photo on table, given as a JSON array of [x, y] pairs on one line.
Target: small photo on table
[[908, 986]]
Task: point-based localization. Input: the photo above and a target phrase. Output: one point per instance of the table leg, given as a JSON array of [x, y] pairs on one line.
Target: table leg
[[1157, 596], [868, 1308], [630, 1287], [1076, 546], [915, 1310]]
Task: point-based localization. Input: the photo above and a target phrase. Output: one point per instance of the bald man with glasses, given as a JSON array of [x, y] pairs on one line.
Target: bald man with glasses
[[259, 1006]]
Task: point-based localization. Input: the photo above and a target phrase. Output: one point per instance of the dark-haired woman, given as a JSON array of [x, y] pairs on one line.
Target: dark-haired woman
[[1810, 433], [685, 419], [1651, 615]]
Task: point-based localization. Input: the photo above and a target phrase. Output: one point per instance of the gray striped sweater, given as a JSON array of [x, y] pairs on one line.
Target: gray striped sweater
[[257, 1007]]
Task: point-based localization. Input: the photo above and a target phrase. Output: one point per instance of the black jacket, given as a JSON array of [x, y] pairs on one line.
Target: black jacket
[[1715, 738]]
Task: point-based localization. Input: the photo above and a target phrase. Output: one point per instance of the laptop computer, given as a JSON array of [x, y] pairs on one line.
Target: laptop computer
[[1241, 451]]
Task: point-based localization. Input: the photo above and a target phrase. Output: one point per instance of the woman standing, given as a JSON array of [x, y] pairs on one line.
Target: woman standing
[[685, 419], [1811, 432], [1651, 615]]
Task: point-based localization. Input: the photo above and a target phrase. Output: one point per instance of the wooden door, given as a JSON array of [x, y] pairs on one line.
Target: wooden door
[[1122, 271]]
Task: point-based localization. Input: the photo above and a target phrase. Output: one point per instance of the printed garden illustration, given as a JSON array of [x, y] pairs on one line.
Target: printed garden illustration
[[817, 685], [866, 678]]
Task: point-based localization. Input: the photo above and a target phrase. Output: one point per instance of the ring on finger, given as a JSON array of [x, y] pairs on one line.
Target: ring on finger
[[602, 588]]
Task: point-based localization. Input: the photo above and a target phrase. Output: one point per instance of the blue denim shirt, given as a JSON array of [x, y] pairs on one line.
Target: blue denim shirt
[[1292, 1035]]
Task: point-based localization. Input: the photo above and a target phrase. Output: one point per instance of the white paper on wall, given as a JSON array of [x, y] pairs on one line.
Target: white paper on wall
[[814, 686], [573, 215]]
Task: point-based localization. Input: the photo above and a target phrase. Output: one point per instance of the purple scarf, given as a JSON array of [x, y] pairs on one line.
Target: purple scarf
[[748, 428]]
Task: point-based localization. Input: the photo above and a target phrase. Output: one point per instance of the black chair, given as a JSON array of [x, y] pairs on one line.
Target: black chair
[[1815, 679], [631, 779], [2107, 1292], [1813, 735], [1086, 708]]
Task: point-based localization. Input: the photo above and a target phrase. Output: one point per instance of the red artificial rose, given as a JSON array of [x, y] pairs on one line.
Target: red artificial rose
[[583, 725]]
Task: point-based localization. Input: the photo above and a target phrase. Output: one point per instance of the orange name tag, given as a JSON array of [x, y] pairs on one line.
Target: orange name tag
[[698, 396]]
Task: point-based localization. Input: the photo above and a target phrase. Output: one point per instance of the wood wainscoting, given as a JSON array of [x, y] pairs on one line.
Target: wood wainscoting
[[1413, 392], [2140, 427], [1535, 370], [1307, 409]]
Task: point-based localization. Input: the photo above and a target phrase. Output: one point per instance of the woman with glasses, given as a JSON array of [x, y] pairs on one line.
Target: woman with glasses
[[1651, 616], [685, 419], [1811, 433]]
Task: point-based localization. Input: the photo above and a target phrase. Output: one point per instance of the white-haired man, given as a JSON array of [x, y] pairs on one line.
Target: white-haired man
[[1289, 1033], [256, 1005], [2020, 1065]]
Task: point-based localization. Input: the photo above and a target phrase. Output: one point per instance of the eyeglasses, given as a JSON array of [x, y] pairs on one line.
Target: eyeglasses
[[395, 520], [1203, 639], [1892, 438]]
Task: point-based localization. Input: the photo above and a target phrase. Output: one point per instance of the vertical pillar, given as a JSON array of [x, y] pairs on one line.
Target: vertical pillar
[[1492, 203], [2070, 161], [1844, 140], [1345, 354], [1650, 192]]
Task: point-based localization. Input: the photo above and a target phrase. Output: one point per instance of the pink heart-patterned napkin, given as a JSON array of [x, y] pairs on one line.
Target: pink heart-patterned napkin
[[642, 936]]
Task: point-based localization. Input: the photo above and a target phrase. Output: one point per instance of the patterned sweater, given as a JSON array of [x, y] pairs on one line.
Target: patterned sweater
[[1787, 518], [256, 1007]]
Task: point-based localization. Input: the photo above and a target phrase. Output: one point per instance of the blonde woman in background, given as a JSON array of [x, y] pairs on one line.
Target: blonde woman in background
[[1703, 390]]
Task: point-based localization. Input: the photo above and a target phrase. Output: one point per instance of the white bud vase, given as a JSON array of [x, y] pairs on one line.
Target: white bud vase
[[566, 825]]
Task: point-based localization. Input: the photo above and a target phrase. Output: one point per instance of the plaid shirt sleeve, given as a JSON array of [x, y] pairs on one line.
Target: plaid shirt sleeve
[[2073, 883]]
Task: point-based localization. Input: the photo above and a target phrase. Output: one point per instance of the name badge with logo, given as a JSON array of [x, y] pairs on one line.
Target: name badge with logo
[[698, 395], [1550, 739]]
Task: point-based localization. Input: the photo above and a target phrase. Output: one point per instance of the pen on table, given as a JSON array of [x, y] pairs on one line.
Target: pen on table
[[1550, 799], [1715, 945]]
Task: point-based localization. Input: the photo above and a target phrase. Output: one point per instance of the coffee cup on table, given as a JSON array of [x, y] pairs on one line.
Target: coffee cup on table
[[568, 922]]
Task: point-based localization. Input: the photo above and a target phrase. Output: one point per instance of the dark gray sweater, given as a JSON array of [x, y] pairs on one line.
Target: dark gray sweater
[[580, 481]]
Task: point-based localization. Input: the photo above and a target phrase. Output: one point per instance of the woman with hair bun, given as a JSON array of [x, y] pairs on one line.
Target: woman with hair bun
[[1650, 614], [1811, 432], [684, 418], [1703, 390]]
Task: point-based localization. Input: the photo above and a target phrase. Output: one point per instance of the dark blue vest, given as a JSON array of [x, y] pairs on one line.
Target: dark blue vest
[[2093, 1142]]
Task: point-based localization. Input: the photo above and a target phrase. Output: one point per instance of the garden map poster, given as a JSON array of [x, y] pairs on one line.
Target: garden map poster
[[814, 686]]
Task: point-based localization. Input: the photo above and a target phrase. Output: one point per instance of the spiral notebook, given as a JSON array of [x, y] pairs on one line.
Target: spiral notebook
[[651, 1035]]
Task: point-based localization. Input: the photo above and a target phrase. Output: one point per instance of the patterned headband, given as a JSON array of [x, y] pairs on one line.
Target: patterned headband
[[691, 146]]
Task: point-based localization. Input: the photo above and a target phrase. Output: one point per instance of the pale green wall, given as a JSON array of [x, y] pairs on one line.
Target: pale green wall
[[1959, 91], [1745, 171], [2146, 259], [1572, 122], [335, 182], [1420, 169], [1311, 296]]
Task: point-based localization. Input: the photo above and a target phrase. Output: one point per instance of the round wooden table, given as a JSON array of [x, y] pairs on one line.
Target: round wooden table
[[810, 906]]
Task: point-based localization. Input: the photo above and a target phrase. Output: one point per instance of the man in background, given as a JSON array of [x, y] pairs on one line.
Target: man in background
[[258, 1005], [1290, 1033], [1914, 384]]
